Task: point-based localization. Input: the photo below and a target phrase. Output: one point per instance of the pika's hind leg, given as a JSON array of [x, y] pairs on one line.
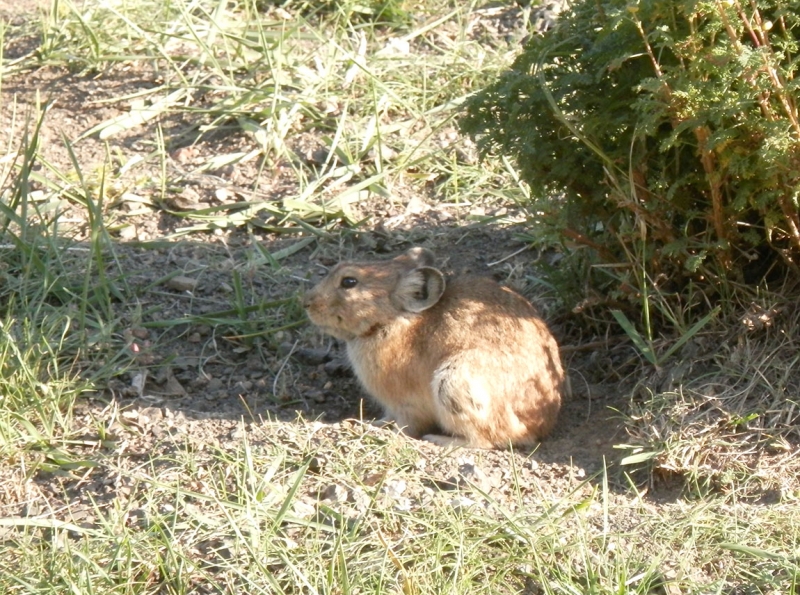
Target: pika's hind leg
[[464, 407], [445, 441]]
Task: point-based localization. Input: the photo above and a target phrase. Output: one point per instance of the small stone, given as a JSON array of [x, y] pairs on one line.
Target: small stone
[[416, 206], [127, 233], [138, 381], [317, 396], [152, 414], [469, 472], [460, 502], [188, 199], [469, 475], [173, 387], [285, 349], [140, 333], [317, 156], [360, 498], [137, 517], [184, 154], [374, 478], [198, 382], [316, 463], [303, 509], [477, 211], [334, 493], [402, 504], [182, 283], [394, 488], [385, 154]]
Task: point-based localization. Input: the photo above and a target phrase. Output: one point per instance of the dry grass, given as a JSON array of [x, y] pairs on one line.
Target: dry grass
[[734, 423]]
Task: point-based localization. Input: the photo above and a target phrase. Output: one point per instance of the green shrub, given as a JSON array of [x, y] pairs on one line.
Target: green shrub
[[660, 136]]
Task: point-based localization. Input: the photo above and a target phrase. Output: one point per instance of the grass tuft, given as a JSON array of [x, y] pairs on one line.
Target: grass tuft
[[732, 421]]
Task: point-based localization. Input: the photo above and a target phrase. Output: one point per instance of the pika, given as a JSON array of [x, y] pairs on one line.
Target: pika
[[464, 357]]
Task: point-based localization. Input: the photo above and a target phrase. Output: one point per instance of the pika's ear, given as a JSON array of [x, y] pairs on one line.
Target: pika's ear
[[417, 257], [419, 289]]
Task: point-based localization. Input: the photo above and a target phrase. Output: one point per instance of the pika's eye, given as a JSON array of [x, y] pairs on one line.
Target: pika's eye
[[348, 282]]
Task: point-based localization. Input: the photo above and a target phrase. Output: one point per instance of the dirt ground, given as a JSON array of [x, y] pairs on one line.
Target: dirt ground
[[191, 381]]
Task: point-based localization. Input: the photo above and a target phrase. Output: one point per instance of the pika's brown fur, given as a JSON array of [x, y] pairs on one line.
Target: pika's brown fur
[[468, 357]]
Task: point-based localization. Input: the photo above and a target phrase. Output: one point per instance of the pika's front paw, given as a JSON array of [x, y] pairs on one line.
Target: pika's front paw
[[445, 441]]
